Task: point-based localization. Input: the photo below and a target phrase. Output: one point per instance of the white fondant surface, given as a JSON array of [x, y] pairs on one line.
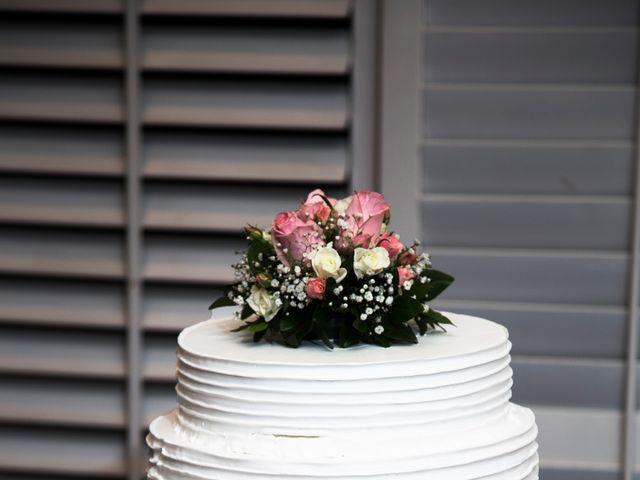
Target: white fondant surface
[[438, 410]]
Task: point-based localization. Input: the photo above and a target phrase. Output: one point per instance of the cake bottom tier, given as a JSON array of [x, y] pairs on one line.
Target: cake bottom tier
[[502, 449]]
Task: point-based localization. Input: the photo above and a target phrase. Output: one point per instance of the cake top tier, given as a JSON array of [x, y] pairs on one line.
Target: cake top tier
[[471, 341]]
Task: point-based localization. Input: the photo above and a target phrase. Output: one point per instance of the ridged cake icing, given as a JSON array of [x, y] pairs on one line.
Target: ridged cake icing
[[438, 410]]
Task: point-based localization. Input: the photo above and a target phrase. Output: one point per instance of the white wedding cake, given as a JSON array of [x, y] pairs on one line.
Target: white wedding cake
[[436, 410]]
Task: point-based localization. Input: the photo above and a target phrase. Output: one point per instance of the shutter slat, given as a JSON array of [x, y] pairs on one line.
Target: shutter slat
[[62, 6], [572, 382], [160, 358], [224, 208], [577, 329], [183, 258], [595, 168], [62, 402], [534, 112], [247, 104], [56, 97], [58, 352], [159, 399], [65, 202], [528, 222], [246, 157], [588, 278], [250, 8], [62, 451], [170, 308], [54, 252], [597, 56], [68, 150], [278, 50], [68, 303], [46, 43]]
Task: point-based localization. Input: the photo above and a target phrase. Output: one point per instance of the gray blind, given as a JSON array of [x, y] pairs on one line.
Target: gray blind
[[244, 107], [528, 166]]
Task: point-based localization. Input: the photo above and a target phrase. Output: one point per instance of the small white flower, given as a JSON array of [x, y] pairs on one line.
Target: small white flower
[[389, 300], [368, 296], [368, 311], [408, 284], [379, 329], [341, 206], [326, 263], [363, 316], [370, 261], [262, 303], [275, 283], [297, 270]]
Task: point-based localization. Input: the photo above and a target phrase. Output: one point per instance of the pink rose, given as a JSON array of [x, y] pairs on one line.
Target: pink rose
[[404, 274], [362, 240], [391, 244], [408, 257], [315, 288], [366, 212], [315, 206], [293, 237]]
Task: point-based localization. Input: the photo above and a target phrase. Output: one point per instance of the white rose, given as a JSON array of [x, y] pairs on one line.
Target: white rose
[[326, 263], [341, 205], [369, 261], [262, 303]]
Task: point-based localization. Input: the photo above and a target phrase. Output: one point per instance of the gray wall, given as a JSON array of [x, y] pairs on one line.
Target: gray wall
[[526, 158]]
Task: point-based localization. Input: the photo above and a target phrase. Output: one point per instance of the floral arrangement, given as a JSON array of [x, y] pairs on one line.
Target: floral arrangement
[[332, 271]]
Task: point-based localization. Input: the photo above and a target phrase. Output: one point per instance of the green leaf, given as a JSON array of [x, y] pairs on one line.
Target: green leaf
[[244, 326], [257, 336], [401, 333], [258, 326], [405, 308], [439, 281], [423, 325], [223, 301], [436, 318], [288, 323], [348, 335], [246, 312]]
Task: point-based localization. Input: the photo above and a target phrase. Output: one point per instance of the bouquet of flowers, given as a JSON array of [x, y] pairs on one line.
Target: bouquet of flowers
[[332, 271]]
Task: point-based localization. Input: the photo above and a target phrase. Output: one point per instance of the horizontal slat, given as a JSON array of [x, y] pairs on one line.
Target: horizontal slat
[[577, 330], [576, 473], [56, 150], [193, 259], [569, 168], [62, 402], [246, 103], [278, 49], [526, 221], [250, 8], [62, 202], [59, 352], [62, 6], [61, 97], [54, 43], [171, 308], [63, 303], [568, 382], [158, 399], [160, 358], [294, 158], [587, 278], [217, 208], [531, 12], [529, 112], [598, 56], [44, 251], [54, 451], [579, 438]]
